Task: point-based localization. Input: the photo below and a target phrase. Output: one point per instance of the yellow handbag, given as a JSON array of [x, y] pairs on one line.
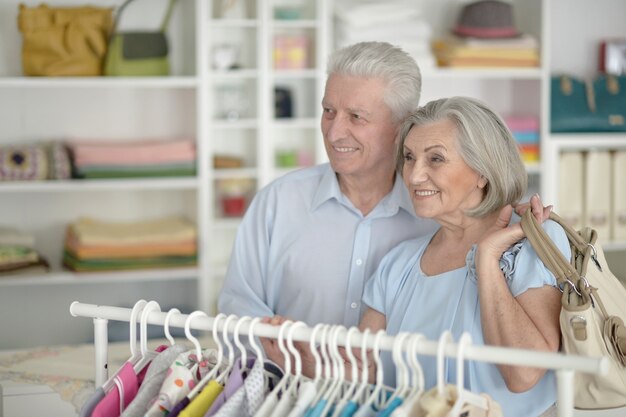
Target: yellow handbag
[[66, 41]]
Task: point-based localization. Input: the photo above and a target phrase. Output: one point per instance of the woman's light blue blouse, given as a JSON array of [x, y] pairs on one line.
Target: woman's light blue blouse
[[414, 302]]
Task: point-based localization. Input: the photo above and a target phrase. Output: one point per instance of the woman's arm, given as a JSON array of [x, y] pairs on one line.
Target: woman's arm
[[528, 321]]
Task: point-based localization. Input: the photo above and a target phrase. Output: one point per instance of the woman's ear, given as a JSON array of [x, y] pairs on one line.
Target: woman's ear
[[482, 182]]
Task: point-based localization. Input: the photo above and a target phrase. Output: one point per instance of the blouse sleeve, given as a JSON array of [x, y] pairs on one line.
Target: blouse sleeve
[[522, 267]]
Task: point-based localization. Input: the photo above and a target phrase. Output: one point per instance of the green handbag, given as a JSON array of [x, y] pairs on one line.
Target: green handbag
[[138, 53], [588, 106]]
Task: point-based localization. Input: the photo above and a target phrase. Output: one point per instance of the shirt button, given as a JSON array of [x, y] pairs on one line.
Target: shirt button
[[359, 261], [354, 305]]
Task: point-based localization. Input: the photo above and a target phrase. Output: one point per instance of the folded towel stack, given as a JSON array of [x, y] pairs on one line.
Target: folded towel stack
[[395, 21], [134, 159], [94, 245], [525, 130], [455, 51], [18, 254]]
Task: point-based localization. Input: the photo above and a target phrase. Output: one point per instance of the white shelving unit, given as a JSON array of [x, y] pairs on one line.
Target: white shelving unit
[[601, 20], [190, 103]]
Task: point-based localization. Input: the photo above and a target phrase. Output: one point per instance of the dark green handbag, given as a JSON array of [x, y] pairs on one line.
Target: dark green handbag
[[138, 53], [588, 106]]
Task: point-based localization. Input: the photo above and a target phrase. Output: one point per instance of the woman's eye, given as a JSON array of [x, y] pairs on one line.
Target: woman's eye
[[408, 157]]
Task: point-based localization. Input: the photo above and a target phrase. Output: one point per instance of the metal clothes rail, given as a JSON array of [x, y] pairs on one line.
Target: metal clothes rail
[[564, 366]]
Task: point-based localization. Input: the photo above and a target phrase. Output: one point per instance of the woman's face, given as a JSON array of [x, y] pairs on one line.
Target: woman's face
[[441, 185]]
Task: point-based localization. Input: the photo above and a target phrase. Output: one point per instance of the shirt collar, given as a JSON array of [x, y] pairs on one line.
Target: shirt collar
[[328, 188]]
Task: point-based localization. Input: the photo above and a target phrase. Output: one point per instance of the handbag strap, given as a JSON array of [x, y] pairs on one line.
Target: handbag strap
[[548, 252], [164, 23]]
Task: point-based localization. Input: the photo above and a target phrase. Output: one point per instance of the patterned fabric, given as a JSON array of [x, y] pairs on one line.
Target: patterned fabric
[[248, 399], [181, 377], [23, 163], [153, 380]]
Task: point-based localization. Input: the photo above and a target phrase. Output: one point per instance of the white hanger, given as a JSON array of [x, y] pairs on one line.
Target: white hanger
[[146, 356], [359, 394], [444, 339], [220, 356], [417, 379], [334, 391], [243, 354], [351, 387], [402, 375], [223, 375], [289, 393], [166, 325], [464, 396], [191, 337], [378, 387], [268, 406], [134, 354], [322, 355], [252, 340]]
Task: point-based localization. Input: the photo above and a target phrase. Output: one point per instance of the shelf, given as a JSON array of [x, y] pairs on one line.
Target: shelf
[[295, 24], [294, 73], [234, 74], [229, 224], [68, 277], [483, 73], [533, 168], [296, 123], [232, 23], [235, 124], [99, 82], [588, 140], [227, 173], [53, 186]]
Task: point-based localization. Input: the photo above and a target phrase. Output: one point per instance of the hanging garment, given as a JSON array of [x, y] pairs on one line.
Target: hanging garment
[[92, 402], [116, 400], [248, 399], [200, 404], [431, 404], [306, 394], [149, 389], [181, 377]]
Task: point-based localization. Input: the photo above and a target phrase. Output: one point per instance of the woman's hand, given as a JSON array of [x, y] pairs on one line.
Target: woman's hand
[[501, 236]]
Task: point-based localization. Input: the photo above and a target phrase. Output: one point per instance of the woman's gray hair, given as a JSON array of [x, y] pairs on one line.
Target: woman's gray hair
[[385, 61], [485, 144]]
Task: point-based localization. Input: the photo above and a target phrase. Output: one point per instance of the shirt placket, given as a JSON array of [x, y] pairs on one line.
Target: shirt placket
[[360, 252]]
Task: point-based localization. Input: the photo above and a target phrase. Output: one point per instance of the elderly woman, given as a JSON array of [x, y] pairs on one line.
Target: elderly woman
[[476, 273]]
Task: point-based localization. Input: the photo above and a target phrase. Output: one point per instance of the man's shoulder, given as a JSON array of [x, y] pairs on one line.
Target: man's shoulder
[[304, 177]]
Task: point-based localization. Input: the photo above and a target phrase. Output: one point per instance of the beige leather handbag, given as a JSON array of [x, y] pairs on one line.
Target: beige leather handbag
[[593, 310]]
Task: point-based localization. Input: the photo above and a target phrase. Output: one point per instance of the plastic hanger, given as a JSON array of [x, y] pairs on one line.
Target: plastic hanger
[[378, 387], [444, 339], [223, 375], [134, 354], [252, 340], [166, 325], [289, 394], [359, 394], [339, 370], [146, 356], [269, 405], [243, 353], [406, 409], [402, 370], [191, 337], [324, 361], [220, 355], [465, 396], [354, 377]]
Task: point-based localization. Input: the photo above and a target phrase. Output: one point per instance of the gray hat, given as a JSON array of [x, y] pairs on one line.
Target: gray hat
[[486, 19]]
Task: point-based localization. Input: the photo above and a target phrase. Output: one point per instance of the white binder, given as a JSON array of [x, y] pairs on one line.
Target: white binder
[[598, 189], [619, 196], [570, 198]]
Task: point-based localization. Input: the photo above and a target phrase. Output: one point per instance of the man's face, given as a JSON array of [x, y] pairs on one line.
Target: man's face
[[359, 133]]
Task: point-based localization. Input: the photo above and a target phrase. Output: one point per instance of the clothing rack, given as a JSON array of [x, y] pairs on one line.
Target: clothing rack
[[564, 366]]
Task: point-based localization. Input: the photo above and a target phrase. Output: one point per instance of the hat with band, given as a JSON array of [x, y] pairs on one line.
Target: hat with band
[[486, 19]]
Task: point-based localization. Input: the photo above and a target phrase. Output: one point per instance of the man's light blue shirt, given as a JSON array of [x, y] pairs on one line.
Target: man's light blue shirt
[[304, 251]]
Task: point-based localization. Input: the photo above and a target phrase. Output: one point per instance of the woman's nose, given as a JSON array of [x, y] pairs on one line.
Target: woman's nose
[[417, 173]]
